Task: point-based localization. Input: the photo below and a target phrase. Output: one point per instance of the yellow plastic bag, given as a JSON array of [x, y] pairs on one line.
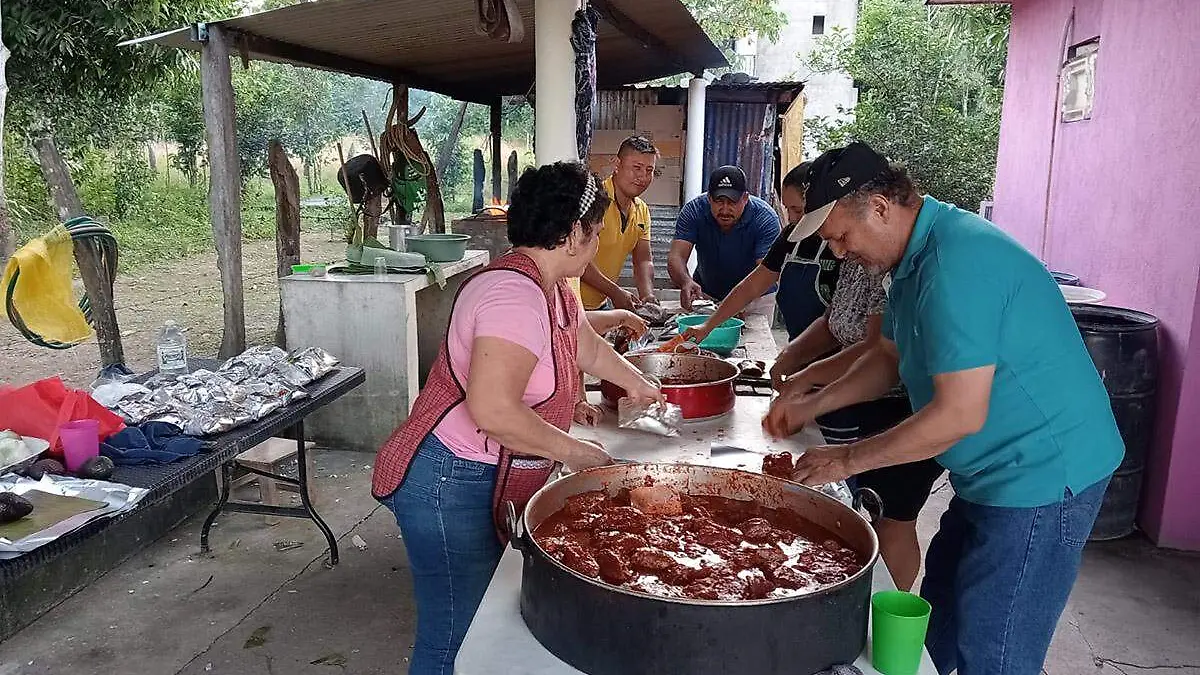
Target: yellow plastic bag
[[43, 295]]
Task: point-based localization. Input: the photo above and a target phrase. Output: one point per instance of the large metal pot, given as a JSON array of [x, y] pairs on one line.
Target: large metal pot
[[705, 384], [605, 630]]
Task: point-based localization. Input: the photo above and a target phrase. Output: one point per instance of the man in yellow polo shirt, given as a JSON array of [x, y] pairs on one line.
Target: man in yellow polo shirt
[[626, 229]]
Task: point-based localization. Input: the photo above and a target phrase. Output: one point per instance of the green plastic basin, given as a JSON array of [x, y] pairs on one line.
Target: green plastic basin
[[722, 340], [439, 247]]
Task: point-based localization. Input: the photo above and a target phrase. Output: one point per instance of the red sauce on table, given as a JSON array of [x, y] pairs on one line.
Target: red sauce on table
[[710, 548]]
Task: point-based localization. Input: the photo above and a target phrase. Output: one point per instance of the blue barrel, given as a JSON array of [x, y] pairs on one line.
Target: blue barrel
[[1123, 343]]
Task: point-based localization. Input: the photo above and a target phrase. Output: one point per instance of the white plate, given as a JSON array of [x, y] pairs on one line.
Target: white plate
[[1082, 294]]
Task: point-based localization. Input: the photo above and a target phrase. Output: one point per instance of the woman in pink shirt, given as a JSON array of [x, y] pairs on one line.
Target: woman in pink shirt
[[490, 425]]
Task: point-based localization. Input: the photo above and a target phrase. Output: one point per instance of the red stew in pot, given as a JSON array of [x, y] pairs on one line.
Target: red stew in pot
[[698, 547]]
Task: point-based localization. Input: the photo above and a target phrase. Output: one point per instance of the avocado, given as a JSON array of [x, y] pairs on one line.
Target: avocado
[[13, 507], [98, 468], [45, 466]]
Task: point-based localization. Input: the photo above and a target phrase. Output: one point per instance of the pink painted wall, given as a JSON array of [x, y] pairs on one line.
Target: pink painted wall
[[1119, 204]]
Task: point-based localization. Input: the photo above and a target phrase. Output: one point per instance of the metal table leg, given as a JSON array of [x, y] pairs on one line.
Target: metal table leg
[[305, 510], [222, 500]]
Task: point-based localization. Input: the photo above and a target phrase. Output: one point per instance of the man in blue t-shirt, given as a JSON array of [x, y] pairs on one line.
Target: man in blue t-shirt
[[1006, 398], [731, 232]]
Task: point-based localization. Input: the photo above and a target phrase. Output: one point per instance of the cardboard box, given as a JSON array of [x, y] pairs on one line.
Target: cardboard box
[[659, 119], [664, 191], [602, 165], [670, 147], [608, 141]]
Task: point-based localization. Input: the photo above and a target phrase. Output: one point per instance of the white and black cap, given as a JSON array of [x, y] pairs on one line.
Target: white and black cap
[[834, 175], [728, 182]]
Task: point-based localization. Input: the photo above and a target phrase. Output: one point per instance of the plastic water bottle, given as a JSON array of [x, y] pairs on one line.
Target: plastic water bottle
[[172, 350]]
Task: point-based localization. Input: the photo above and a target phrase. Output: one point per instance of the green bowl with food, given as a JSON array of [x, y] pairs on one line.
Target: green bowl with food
[[723, 339], [440, 248]]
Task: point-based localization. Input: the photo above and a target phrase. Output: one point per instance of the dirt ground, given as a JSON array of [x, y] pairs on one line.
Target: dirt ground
[[188, 291]]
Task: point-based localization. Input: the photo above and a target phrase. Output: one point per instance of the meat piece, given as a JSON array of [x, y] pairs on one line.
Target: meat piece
[[623, 519], [829, 575], [679, 574], [658, 538], [580, 559], [584, 502], [650, 559], [613, 569], [656, 500], [762, 557], [585, 521], [779, 465], [757, 585], [759, 530], [712, 534], [618, 541], [786, 576], [723, 587]]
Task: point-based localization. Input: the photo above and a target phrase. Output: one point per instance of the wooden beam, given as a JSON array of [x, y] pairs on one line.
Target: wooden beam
[[88, 256], [287, 220], [322, 60], [224, 184], [634, 31], [496, 170]]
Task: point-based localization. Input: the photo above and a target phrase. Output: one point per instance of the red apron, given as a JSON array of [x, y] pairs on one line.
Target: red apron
[[518, 476]]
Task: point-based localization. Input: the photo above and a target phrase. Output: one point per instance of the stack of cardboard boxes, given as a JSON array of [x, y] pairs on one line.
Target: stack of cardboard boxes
[[662, 124]]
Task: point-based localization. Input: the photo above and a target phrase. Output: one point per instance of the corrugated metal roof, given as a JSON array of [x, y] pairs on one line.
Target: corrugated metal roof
[[742, 134], [432, 44]]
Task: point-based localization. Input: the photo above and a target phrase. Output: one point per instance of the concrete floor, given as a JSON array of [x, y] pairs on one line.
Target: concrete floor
[[253, 609]]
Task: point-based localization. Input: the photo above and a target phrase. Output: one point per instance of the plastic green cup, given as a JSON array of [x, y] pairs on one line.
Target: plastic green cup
[[898, 624]]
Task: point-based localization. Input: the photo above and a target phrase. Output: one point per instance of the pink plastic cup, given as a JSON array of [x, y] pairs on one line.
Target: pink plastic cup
[[81, 442]]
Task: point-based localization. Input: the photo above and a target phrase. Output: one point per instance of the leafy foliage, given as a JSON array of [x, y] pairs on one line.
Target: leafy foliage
[[728, 20], [67, 70], [930, 90]]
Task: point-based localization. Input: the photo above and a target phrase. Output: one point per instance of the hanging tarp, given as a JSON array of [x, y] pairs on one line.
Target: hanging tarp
[[583, 40]]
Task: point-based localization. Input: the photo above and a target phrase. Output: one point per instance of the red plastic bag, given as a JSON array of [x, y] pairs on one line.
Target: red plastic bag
[[38, 410]]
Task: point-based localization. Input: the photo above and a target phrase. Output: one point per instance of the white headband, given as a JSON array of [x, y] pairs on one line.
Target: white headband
[[588, 197]]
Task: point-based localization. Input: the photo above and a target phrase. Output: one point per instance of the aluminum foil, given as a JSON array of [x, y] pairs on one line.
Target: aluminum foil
[[663, 419], [244, 389], [116, 498]]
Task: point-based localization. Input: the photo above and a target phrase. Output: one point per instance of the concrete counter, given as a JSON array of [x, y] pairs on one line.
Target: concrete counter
[[390, 327]]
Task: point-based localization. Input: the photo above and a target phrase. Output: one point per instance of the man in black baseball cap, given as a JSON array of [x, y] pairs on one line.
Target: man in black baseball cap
[[730, 231], [833, 175], [985, 345]]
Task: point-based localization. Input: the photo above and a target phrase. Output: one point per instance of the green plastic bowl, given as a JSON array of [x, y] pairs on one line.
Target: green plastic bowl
[[301, 269], [722, 340], [439, 247]]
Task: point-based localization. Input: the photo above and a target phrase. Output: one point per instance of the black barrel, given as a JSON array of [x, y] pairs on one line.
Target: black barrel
[[1065, 278], [1123, 343]]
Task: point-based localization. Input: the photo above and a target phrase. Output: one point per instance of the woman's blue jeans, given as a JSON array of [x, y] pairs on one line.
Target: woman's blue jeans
[[444, 509]]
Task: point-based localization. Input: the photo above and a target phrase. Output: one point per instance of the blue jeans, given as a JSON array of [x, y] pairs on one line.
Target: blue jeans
[[998, 579], [444, 509]]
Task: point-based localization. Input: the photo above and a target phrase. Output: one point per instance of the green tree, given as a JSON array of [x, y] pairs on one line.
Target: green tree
[[727, 20], [930, 89]]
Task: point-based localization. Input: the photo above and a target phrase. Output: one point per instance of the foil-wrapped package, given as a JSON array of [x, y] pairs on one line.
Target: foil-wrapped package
[[244, 389], [664, 419]]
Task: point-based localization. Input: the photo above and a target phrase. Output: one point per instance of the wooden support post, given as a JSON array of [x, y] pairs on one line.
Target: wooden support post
[[88, 256], [224, 186], [512, 173], [496, 170], [287, 221]]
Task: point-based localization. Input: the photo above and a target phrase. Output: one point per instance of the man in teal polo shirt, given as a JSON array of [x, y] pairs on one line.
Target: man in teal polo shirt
[[1007, 399]]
